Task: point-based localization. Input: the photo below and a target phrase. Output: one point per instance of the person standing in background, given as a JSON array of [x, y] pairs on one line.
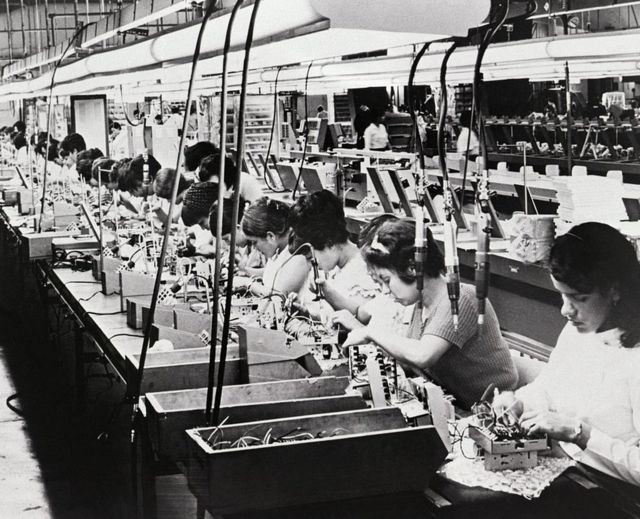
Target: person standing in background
[[360, 124]]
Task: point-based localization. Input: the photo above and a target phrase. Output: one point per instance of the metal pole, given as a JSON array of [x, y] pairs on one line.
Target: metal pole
[[38, 28], [24, 40], [569, 118], [10, 29], [46, 21]]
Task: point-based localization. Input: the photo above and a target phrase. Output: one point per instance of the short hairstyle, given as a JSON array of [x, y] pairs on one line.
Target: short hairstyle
[[19, 141], [164, 182], [198, 201], [41, 146], [318, 218], [368, 232], [84, 162], [596, 257], [104, 163], [266, 215], [134, 175], [210, 166], [116, 126], [20, 126], [193, 155], [227, 214], [120, 173], [72, 142], [465, 118], [393, 247]]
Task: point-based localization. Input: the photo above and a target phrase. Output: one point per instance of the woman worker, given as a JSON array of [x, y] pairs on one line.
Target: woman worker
[[465, 361], [588, 395], [318, 219], [266, 226]]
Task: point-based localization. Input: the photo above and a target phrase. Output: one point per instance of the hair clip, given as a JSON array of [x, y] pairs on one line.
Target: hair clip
[[376, 245], [575, 236]]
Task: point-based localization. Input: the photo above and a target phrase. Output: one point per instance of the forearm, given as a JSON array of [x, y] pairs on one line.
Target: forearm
[[404, 350]]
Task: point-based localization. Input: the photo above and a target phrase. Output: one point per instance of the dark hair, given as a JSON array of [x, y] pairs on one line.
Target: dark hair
[[164, 183], [392, 247], [227, 220], [318, 218], [193, 155], [594, 256], [134, 175], [84, 162], [73, 142], [266, 215], [20, 126], [115, 126], [104, 163], [198, 201], [19, 141], [369, 231], [41, 146], [210, 166], [465, 118], [121, 173]]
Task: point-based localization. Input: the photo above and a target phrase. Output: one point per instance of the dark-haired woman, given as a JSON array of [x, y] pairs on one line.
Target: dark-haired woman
[[464, 361], [266, 226], [588, 395], [318, 220]]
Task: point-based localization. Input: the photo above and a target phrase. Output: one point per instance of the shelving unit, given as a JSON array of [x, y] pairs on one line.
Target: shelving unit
[[463, 95], [258, 121], [399, 127]]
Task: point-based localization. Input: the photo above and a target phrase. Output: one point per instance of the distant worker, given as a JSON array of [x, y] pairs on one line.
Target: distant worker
[[467, 135], [376, 137], [322, 113], [360, 123]]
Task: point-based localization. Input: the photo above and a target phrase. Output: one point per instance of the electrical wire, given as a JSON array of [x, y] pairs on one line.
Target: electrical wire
[[124, 111], [135, 397], [273, 125], [234, 212], [305, 132], [217, 276], [50, 117]]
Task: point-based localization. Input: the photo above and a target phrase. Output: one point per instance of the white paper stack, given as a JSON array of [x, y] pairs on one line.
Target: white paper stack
[[590, 199]]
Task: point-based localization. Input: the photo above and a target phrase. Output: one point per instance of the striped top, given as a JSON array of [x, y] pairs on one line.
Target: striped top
[[477, 357]]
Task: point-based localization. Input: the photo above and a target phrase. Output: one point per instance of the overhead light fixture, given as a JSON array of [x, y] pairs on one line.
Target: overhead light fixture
[[179, 5]]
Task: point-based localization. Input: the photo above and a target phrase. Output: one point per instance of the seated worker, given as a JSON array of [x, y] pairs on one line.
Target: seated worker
[[588, 394], [131, 180], [265, 225], [84, 162], [70, 146], [466, 134], [162, 186], [318, 219], [197, 202], [376, 137], [250, 189], [464, 362], [382, 309], [193, 156], [104, 171]]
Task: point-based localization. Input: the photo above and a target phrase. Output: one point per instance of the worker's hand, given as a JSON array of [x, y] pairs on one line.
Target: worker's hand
[[556, 426], [346, 319], [507, 402], [357, 337]]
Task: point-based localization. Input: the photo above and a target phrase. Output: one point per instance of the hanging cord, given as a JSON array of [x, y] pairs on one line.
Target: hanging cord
[[414, 117], [50, 118], [267, 176], [234, 216], [482, 190], [451, 260], [124, 110], [466, 155], [306, 131], [220, 214], [165, 242]]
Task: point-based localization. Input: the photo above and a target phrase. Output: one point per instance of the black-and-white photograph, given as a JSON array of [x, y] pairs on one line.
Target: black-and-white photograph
[[319, 259]]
